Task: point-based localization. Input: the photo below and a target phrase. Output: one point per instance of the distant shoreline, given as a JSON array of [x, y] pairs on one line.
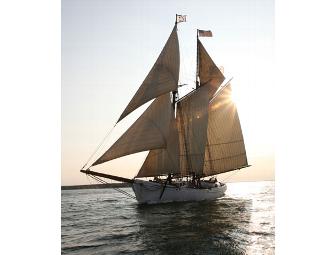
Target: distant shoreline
[[96, 186]]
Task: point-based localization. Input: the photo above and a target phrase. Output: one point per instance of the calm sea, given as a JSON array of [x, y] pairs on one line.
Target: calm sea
[[103, 221]]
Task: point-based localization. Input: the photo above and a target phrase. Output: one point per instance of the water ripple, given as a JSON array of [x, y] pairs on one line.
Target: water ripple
[[103, 222]]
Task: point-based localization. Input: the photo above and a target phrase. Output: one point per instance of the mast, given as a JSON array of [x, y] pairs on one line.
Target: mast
[[197, 60], [175, 95], [178, 19]]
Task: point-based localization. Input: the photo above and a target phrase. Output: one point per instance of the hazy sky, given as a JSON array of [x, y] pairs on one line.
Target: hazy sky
[[109, 46]]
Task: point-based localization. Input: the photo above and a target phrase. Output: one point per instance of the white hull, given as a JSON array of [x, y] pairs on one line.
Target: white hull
[[150, 192]]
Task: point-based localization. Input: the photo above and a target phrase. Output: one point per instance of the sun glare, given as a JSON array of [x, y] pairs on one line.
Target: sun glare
[[233, 97]]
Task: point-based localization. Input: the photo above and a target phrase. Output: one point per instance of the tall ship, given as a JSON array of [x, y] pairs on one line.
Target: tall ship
[[190, 139]]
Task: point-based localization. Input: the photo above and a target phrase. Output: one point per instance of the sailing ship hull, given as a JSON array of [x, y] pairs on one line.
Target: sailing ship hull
[[147, 192]]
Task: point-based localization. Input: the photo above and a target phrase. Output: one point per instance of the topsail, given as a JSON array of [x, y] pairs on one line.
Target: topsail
[[208, 72]]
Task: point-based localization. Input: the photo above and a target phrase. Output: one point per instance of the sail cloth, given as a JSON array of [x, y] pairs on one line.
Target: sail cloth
[[149, 131], [208, 72], [192, 121], [162, 78], [225, 150], [155, 160], [163, 161]]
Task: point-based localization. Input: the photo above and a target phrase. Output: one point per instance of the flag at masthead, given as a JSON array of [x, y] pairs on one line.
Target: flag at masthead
[[181, 18]]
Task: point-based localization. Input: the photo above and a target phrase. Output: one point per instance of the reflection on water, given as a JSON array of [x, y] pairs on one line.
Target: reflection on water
[[105, 222], [196, 228]]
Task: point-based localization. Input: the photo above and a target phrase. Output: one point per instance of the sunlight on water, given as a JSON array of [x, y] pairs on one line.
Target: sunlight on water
[[103, 221]]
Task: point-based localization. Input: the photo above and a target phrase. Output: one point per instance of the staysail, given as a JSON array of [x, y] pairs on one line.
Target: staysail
[[162, 78], [163, 161], [225, 149], [149, 131]]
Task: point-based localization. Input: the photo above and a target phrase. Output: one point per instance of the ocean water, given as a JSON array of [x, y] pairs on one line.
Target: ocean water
[[104, 221]]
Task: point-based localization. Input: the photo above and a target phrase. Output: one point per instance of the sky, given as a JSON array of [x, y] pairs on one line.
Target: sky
[[108, 47]]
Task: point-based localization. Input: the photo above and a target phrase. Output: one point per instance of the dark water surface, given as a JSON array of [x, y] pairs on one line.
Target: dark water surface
[[103, 221]]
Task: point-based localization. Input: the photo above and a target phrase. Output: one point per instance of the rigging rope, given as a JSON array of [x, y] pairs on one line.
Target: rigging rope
[[117, 189], [220, 89], [234, 173], [104, 139]]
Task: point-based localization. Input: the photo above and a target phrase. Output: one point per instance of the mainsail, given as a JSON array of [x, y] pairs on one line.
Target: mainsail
[[162, 78], [225, 150]]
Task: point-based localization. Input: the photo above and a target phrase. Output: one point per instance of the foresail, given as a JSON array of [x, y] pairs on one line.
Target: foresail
[[163, 161], [208, 72], [192, 121], [150, 131], [162, 78], [225, 150]]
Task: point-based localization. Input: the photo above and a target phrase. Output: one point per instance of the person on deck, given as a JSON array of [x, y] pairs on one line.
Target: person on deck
[[198, 182], [169, 179]]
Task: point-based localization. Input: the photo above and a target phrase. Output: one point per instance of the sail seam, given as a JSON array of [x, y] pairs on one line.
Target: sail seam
[[184, 139], [231, 142], [233, 156]]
